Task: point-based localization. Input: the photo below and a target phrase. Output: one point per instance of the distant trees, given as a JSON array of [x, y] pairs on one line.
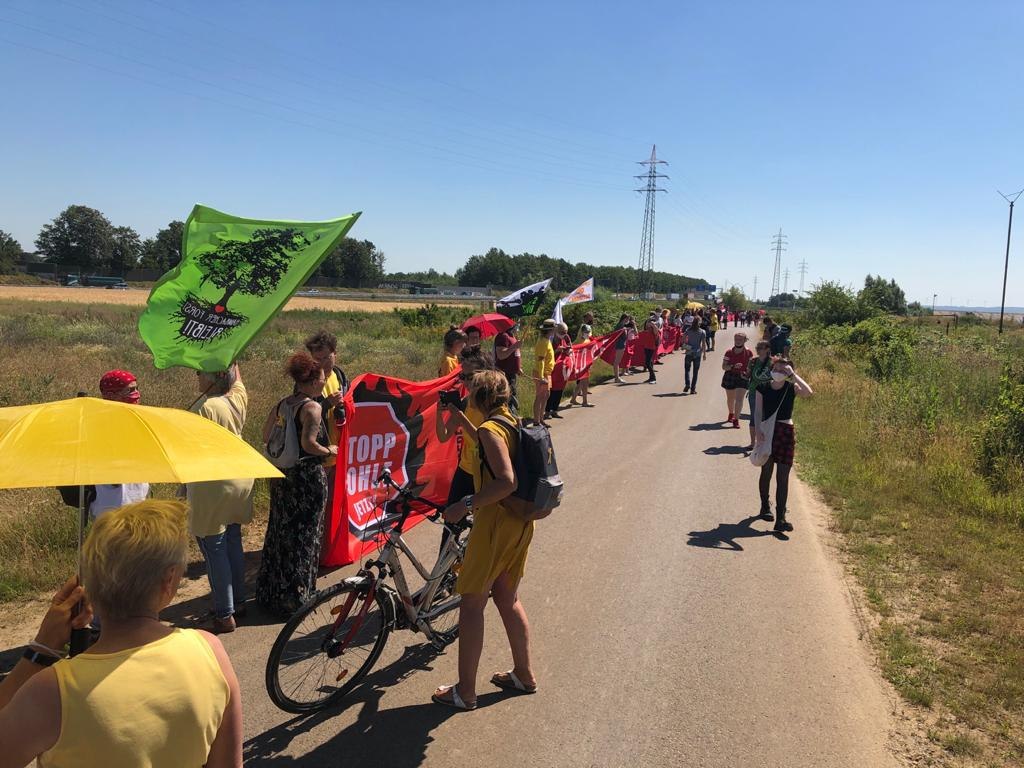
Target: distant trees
[[733, 298], [10, 253], [782, 300], [505, 270], [354, 263], [886, 296], [163, 251], [79, 235]]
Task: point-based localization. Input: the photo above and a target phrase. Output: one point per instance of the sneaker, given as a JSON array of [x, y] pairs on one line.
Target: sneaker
[[651, 381], [555, 415], [686, 389], [223, 626], [693, 391], [766, 514]]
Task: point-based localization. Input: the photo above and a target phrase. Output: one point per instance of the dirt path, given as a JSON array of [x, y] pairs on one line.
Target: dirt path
[[138, 296]]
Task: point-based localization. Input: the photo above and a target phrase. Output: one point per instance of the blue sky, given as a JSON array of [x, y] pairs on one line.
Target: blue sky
[[874, 134]]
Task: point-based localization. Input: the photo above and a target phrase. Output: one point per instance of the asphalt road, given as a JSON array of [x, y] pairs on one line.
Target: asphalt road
[[669, 628]]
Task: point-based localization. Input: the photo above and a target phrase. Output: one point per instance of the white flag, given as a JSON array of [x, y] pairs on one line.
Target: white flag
[[584, 293]]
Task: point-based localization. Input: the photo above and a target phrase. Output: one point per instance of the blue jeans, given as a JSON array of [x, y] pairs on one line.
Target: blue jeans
[[225, 568], [691, 361]]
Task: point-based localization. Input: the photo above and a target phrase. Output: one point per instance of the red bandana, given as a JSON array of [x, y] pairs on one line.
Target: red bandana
[[115, 381]]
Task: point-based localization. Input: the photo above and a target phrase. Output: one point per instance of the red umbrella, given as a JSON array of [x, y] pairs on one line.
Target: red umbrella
[[489, 324]]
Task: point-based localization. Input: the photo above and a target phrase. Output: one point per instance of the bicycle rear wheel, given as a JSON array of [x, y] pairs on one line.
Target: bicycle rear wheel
[[314, 663], [446, 626]]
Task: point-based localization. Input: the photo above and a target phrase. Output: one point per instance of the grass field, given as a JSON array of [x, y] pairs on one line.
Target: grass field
[[938, 546]]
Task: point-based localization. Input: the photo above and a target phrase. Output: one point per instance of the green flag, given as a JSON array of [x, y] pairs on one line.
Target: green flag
[[235, 275]]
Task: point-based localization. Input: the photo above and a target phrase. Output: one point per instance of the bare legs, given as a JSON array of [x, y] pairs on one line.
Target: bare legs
[[582, 389], [618, 364], [735, 398], [540, 401], [471, 635]]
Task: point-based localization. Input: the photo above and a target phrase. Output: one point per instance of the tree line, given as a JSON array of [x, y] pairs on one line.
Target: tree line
[[83, 237]]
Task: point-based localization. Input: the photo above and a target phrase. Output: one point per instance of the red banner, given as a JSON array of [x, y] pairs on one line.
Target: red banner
[[575, 364], [390, 424]]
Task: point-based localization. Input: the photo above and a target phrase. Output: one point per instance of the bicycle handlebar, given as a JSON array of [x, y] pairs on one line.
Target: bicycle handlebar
[[408, 496]]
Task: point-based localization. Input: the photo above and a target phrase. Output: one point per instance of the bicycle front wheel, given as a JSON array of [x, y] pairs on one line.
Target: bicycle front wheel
[[317, 659]]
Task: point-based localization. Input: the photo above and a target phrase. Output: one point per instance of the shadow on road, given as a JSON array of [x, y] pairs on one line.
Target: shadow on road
[[710, 426], [725, 535], [670, 394], [719, 450], [397, 738]]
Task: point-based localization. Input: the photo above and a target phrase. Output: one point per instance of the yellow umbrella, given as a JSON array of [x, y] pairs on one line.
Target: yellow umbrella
[[694, 305], [87, 441]]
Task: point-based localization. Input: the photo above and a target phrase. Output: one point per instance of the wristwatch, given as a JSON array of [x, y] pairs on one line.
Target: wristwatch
[[39, 657], [469, 503]]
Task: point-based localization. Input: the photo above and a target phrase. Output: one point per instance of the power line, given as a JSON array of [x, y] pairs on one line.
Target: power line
[[755, 289], [644, 272], [1011, 199], [779, 245], [803, 272], [785, 281]]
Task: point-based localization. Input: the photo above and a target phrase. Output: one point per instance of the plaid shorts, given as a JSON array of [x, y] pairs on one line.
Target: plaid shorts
[[733, 380], [783, 443]]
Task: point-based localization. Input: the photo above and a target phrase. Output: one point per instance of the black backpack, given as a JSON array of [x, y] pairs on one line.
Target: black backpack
[[70, 495], [538, 484], [777, 343]]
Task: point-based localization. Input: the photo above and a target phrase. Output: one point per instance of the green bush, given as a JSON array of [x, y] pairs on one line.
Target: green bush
[[1000, 443], [830, 303], [888, 346], [431, 316]]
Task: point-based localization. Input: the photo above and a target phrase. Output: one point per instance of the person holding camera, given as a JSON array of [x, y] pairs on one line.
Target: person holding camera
[[776, 398], [562, 346], [295, 529], [496, 553], [145, 694], [460, 417]]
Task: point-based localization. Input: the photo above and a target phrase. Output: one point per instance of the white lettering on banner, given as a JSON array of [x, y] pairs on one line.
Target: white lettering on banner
[[361, 478], [371, 447]]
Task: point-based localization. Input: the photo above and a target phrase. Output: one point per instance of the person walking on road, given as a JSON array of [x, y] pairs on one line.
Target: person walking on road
[[543, 367], [759, 372], [712, 328], [695, 341], [496, 553], [734, 380], [777, 398]]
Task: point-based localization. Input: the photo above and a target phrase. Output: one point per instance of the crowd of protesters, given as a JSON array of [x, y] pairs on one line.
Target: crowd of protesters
[[157, 679]]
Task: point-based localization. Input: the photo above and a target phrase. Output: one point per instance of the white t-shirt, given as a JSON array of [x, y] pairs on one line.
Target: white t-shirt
[[110, 497]]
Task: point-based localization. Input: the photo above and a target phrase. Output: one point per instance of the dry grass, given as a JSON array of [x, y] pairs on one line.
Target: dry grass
[[939, 552], [136, 297]]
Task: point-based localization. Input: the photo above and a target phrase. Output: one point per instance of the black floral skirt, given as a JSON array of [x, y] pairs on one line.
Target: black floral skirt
[[291, 548]]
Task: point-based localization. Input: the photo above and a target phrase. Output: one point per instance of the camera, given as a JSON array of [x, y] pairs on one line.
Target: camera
[[448, 397]]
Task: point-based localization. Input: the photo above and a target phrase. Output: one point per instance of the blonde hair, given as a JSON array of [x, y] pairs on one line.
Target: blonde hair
[[127, 553], [489, 389]]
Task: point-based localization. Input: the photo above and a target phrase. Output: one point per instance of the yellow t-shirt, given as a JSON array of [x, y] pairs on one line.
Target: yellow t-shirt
[[469, 456], [218, 503], [545, 364], [714, 321], [156, 706], [448, 364], [331, 385]]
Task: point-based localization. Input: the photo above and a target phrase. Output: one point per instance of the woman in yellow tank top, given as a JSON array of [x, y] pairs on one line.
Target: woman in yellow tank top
[[145, 695], [496, 553]]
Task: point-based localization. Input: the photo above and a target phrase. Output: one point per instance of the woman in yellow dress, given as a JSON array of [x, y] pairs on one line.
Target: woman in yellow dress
[[496, 553]]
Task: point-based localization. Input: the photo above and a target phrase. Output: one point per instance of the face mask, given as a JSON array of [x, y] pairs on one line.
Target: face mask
[[777, 376], [133, 398]]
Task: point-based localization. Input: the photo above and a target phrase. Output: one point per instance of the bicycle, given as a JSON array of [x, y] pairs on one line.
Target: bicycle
[[346, 626]]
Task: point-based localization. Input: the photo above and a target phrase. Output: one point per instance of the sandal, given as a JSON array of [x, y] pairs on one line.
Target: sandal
[[455, 701], [510, 682]]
